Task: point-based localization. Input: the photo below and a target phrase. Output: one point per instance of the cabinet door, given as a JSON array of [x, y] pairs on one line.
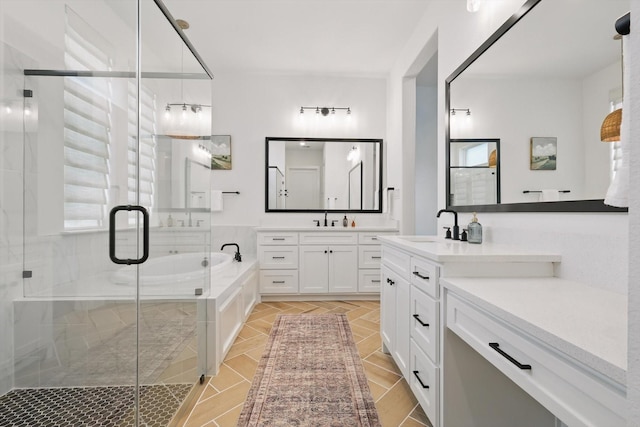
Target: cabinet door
[[314, 269], [403, 325], [387, 310], [343, 269]]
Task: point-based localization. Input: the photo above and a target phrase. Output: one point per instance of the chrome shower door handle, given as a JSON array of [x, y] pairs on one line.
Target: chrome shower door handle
[[112, 234]]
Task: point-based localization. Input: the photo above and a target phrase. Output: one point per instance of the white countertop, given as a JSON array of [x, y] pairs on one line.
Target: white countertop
[[583, 322], [338, 228], [440, 249]]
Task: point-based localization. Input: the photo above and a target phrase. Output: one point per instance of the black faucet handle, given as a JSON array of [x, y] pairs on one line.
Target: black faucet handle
[[317, 221], [463, 235], [448, 233], [333, 222]]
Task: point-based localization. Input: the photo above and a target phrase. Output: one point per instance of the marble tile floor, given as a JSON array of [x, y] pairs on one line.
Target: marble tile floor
[[222, 398]]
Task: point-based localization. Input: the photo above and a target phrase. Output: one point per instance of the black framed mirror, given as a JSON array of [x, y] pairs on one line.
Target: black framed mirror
[[550, 73], [323, 174]]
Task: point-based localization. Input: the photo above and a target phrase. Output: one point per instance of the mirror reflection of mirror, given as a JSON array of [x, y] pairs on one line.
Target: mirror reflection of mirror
[[556, 73], [474, 172], [323, 174], [184, 173]]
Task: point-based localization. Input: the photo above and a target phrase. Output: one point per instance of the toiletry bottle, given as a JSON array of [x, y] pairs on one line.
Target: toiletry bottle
[[170, 221], [474, 230], [353, 222], [345, 221]]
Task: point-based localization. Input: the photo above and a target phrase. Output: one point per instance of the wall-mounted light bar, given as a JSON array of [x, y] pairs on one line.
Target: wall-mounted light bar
[[325, 111], [453, 111]]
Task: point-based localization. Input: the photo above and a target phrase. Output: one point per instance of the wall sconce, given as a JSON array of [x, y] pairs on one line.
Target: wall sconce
[[325, 110], [473, 5]]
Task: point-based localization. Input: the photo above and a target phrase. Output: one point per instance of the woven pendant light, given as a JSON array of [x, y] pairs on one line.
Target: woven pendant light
[[610, 129]]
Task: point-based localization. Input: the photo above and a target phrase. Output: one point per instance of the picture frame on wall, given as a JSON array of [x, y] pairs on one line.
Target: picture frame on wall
[[221, 152], [544, 153]]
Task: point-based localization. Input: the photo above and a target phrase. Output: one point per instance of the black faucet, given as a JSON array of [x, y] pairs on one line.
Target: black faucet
[[456, 229], [325, 218], [237, 256]]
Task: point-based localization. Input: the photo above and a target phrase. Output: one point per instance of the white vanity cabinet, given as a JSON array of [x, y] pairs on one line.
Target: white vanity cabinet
[[278, 259], [313, 262], [328, 268], [409, 320]]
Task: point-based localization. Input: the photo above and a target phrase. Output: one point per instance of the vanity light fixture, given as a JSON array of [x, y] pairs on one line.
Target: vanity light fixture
[[325, 111], [183, 120], [473, 5], [454, 110]]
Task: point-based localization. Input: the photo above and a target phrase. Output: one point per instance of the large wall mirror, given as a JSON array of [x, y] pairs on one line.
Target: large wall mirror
[[542, 85], [323, 174]]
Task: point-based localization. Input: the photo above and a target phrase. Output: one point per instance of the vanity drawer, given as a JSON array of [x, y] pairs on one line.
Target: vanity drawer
[[273, 238], [329, 238], [278, 257], [369, 256], [424, 322], [423, 381], [396, 260], [424, 275], [571, 391], [369, 280], [278, 281], [371, 238]]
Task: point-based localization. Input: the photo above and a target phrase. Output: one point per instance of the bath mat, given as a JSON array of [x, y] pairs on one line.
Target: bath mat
[[310, 374]]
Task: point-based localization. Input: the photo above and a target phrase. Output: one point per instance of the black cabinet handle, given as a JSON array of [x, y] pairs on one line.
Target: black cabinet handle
[[376, 257], [112, 234], [325, 252], [331, 251], [277, 257], [496, 347], [389, 281], [417, 273], [277, 238], [419, 380], [375, 281], [277, 281], [417, 317]]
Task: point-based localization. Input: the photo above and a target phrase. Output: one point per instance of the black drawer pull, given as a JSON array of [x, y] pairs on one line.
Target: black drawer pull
[[375, 281], [376, 257], [277, 257], [277, 238], [417, 273], [419, 380], [417, 317], [374, 238], [389, 281], [277, 281], [496, 347]]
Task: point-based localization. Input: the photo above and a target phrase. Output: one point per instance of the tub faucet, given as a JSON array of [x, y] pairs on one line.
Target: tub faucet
[[456, 229], [237, 256]]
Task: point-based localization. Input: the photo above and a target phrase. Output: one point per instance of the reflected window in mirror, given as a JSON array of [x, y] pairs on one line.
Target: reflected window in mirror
[[323, 174], [549, 71]]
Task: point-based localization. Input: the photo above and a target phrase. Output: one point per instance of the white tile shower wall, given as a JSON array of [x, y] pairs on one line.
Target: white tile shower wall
[[13, 146]]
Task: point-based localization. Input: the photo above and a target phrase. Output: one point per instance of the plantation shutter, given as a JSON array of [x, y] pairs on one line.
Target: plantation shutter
[[147, 147], [87, 132]]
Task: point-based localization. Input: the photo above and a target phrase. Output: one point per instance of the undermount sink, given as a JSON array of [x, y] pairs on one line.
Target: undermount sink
[[420, 239]]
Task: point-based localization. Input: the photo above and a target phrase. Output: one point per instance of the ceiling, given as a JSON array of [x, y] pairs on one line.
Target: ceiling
[[340, 37]]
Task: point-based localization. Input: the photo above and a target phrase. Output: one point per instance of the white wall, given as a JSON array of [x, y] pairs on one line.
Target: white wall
[[250, 107], [426, 158]]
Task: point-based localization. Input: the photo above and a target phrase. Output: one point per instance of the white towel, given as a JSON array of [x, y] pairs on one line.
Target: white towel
[[216, 200], [549, 195], [618, 192]]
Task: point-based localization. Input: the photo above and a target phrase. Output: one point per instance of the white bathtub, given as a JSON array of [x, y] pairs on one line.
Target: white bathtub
[[178, 274]]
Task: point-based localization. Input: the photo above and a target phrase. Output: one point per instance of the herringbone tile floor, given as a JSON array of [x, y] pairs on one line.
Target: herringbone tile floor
[[221, 401]]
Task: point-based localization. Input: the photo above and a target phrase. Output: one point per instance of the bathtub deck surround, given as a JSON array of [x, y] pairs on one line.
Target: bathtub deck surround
[[491, 323], [316, 263]]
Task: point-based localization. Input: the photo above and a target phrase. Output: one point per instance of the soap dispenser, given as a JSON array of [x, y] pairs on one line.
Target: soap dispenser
[[345, 221], [474, 230]]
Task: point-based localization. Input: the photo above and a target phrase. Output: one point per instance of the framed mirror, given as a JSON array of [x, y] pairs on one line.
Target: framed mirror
[[323, 174], [542, 85]]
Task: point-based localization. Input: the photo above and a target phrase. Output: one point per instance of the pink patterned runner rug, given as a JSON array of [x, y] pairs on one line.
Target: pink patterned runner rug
[[310, 374]]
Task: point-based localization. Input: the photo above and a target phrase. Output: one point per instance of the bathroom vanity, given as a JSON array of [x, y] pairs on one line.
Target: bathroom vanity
[[316, 262], [491, 337]]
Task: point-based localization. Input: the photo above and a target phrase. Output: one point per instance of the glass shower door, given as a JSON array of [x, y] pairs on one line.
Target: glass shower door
[[88, 341]]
